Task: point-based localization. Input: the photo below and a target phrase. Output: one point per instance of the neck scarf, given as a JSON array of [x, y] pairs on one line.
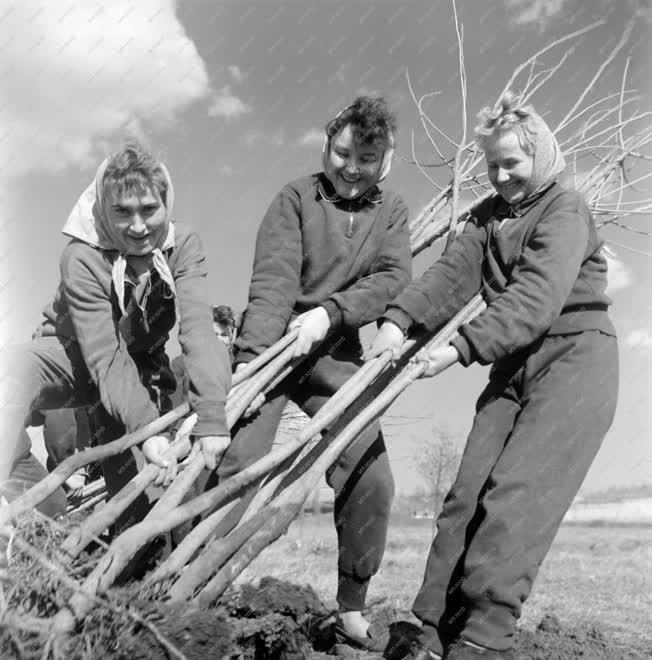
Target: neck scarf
[[88, 222]]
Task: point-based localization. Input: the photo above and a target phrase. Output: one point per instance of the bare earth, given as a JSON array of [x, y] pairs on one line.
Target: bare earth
[[595, 577]]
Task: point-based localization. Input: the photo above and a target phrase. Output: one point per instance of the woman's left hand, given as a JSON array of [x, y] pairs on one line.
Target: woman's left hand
[[212, 447], [313, 328], [437, 359]]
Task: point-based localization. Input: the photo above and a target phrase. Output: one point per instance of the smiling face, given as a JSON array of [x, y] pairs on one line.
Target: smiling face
[[137, 220], [352, 168], [508, 166]]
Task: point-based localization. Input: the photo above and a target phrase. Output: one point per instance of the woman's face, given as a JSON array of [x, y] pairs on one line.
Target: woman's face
[[352, 168], [508, 166], [137, 220]]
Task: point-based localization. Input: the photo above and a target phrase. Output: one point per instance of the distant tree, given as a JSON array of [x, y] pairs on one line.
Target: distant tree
[[437, 462]]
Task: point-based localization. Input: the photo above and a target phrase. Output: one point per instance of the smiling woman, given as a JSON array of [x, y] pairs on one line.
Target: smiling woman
[[534, 251], [136, 209], [128, 275], [332, 250]]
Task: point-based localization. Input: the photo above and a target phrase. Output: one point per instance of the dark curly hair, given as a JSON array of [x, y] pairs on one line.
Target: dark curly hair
[[225, 315], [371, 119], [134, 169]]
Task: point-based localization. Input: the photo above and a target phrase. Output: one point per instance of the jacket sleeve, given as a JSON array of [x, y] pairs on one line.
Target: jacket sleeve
[[205, 357], [106, 356], [365, 300], [276, 277], [446, 286], [538, 288]]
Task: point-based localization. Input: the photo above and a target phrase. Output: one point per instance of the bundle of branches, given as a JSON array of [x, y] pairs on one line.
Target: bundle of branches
[[608, 132]]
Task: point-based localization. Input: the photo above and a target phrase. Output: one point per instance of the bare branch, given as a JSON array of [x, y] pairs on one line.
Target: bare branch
[[557, 42], [452, 231], [414, 156], [598, 102], [631, 249], [622, 95], [605, 63], [547, 73]]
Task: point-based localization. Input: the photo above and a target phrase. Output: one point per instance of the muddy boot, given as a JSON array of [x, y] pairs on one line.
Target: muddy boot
[[464, 650]]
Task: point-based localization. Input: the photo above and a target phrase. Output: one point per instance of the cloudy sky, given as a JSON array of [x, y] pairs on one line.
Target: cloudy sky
[[233, 95]]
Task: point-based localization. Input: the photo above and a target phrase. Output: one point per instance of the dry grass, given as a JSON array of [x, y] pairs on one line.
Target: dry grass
[[597, 575]]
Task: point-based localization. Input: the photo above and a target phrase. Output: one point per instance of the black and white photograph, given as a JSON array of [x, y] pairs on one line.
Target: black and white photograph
[[326, 329]]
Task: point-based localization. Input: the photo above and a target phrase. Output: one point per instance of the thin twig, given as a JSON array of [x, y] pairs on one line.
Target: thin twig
[[414, 156], [557, 42], [605, 63], [452, 231]]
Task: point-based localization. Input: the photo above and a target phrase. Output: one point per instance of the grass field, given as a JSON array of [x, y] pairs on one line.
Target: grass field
[[593, 575]]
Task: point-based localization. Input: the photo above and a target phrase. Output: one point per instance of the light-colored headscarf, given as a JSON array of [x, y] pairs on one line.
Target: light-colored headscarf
[[89, 222], [549, 162], [386, 163]]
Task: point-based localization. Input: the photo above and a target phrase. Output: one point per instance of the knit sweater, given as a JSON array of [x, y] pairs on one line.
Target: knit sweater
[[314, 249], [541, 272], [115, 348]]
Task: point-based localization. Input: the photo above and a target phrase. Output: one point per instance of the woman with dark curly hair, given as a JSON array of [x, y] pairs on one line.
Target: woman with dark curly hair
[[331, 252], [534, 251]]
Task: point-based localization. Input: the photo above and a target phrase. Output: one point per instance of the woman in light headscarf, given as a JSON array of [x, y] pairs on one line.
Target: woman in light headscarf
[[127, 276], [534, 252]]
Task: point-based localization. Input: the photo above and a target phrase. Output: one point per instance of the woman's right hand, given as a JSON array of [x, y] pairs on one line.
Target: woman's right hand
[[155, 451], [389, 337]]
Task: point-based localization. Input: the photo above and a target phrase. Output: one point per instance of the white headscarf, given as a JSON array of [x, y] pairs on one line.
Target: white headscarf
[[88, 222]]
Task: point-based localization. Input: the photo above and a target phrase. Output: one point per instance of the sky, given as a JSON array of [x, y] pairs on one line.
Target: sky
[[233, 95]]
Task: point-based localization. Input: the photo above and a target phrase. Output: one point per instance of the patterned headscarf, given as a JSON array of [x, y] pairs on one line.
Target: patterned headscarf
[[88, 222], [549, 162], [386, 163]]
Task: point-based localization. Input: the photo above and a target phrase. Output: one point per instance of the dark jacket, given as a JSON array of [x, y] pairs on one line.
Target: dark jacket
[[117, 350], [313, 249], [541, 273]]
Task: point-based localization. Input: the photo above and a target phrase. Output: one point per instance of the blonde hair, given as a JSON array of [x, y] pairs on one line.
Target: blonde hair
[[509, 114]]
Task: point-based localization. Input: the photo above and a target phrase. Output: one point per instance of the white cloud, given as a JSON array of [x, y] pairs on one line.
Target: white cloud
[[236, 73], [640, 339], [313, 137], [225, 170], [619, 276], [226, 105], [276, 139], [75, 75], [539, 12]]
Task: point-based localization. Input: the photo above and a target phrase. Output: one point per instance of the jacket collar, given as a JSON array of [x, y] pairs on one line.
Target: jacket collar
[[520, 209], [326, 190]]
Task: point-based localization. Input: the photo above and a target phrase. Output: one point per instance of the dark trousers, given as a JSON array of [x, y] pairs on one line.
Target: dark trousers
[[361, 477], [49, 373], [538, 426], [65, 432]]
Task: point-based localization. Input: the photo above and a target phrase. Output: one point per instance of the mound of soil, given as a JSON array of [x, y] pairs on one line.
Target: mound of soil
[[273, 619]]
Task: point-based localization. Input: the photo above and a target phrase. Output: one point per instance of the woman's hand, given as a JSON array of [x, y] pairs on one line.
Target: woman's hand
[[155, 451], [313, 328], [437, 359], [389, 337], [212, 447]]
